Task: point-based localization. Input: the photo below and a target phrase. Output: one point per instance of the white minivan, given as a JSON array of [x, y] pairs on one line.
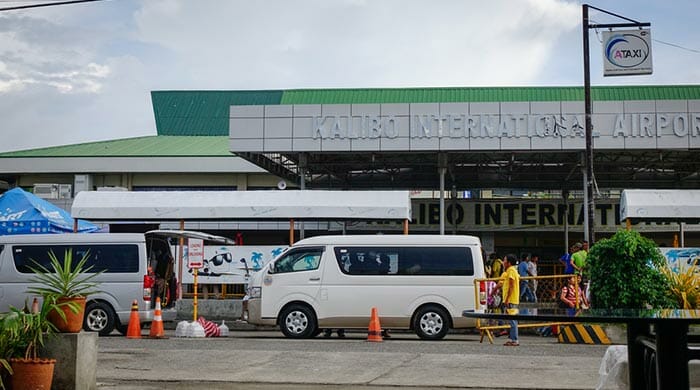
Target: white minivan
[[124, 258], [418, 282]]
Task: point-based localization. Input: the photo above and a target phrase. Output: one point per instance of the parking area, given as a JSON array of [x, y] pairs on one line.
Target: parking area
[[266, 358]]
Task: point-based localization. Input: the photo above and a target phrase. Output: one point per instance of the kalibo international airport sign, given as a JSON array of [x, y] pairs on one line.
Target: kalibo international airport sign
[[488, 215], [555, 125], [627, 52]]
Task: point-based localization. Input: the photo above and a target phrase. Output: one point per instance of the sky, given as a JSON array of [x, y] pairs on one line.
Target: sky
[[84, 72]]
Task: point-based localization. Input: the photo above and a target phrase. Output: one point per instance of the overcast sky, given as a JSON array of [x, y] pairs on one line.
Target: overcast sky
[[78, 73]]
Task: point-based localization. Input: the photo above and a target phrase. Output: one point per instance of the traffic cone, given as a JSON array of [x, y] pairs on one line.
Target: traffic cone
[[374, 332], [134, 329], [157, 331]]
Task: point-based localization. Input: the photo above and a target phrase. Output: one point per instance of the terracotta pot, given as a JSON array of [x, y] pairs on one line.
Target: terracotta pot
[[74, 321], [32, 374]]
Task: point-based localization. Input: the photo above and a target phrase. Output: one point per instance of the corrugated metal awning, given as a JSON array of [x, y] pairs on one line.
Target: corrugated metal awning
[[234, 205], [660, 205]]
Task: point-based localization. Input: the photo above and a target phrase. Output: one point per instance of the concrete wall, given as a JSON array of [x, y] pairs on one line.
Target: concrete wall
[[211, 309]]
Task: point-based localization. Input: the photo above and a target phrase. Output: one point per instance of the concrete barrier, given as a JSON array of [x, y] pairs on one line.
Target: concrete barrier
[[76, 360], [211, 309]]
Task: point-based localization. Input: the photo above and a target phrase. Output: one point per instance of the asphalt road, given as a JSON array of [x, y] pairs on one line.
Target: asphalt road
[[267, 360]]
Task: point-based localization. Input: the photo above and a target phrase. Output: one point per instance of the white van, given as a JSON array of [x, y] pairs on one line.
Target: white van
[[419, 282], [124, 259]]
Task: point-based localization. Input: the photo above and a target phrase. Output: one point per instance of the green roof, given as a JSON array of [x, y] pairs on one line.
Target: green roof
[[202, 112], [207, 112], [151, 146], [196, 123]]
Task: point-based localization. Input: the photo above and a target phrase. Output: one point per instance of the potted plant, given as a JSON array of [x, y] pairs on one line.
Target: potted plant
[[66, 285], [23, 333], [9, 332]]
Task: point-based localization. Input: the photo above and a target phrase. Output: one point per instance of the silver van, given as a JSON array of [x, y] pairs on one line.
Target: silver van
[[124, 258]]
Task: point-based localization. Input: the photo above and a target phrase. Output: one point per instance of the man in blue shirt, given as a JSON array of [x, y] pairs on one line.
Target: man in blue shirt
[[526, 294], [567, 261]]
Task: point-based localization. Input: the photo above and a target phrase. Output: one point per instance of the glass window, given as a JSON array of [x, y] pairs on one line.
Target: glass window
[[367, 260], [119, 258], [302, 259], [437, 261], [405, 260]]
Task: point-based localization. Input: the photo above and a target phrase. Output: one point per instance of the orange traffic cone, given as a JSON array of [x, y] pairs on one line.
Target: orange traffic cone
[[157, 331], [374, 333], [134, 329]]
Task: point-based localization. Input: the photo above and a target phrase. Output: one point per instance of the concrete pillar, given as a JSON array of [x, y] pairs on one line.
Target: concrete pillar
[[76, 360]]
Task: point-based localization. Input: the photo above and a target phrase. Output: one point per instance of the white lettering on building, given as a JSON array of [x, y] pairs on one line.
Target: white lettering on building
[[499, 126]]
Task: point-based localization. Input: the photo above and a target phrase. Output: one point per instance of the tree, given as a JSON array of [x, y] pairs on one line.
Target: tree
[[625, 272]]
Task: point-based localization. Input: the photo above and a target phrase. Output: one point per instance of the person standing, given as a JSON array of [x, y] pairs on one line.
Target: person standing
[[566, 259], [532, 271], [578, 259], [572, 297], [496, 265], [510, 286], [525, 292]]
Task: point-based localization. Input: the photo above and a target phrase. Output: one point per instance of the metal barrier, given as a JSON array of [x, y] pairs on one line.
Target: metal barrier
[[545, 288], [225, 291]]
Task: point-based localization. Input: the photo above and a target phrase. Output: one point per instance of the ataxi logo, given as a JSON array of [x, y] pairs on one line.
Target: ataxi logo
[[626, 50]]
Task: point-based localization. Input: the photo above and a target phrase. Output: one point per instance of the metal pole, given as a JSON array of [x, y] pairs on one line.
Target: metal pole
[[588, 189], [442, 200], [302, 186], [565, 195], [586, 211], [442, 170], [682, 234]]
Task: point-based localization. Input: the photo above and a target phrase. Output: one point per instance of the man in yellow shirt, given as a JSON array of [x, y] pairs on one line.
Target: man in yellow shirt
[[510, 286]]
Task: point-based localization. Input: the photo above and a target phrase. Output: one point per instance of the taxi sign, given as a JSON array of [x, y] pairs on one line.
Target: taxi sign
[[195, 253]]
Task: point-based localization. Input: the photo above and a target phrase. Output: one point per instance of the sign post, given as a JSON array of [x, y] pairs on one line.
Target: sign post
[[625, 53], [195, 260]]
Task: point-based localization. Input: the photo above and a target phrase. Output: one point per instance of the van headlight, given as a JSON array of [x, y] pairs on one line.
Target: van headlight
[[254, 292]]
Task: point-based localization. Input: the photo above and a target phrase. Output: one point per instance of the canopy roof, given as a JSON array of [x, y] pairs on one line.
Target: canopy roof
[[671, 205], [255, 205], [22, 212]]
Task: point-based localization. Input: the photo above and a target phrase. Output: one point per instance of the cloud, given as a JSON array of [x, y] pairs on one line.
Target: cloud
[[84, 72], [40, 52], [315, 43]]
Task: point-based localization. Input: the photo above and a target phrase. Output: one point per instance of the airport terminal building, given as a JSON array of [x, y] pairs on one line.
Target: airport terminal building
[[506, 163]]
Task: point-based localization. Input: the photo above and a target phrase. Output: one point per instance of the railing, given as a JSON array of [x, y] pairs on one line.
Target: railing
[[546, 290], [215, 291]]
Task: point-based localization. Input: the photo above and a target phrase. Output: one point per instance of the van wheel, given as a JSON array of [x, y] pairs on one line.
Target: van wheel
[[99, 317], [431, 323], [298, 322]]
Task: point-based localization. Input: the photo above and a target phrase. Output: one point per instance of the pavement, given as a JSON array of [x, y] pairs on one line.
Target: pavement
[[265, 360]]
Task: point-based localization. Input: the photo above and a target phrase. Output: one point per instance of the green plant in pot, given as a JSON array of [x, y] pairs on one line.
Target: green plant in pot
[[67, 285], [23, 333]]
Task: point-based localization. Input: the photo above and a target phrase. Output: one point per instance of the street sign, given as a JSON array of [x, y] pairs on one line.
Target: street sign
[[195, 253], [627, 52]]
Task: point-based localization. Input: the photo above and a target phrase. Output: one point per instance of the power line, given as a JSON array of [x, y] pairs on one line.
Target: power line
[[674, 45], [46, 4], [657, 41]]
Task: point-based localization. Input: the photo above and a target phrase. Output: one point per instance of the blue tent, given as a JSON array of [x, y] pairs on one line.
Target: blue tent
[[24, 213]]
